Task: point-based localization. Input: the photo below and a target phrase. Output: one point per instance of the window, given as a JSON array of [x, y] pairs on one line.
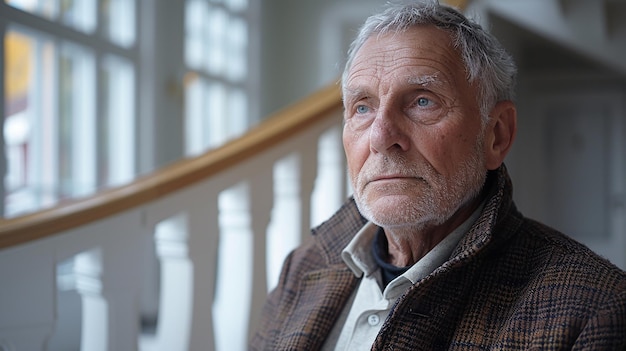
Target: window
[[75, 80], [69, 72], [216, 54]]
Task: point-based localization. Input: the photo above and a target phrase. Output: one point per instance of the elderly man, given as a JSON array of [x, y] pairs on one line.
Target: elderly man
[[432, 253]]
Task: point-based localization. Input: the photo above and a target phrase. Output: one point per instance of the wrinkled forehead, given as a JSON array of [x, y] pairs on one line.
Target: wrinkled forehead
[[419, 55], [357, 87], [417, 37]]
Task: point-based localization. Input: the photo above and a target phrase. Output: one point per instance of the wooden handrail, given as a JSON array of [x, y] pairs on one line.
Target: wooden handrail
[[181, 174]]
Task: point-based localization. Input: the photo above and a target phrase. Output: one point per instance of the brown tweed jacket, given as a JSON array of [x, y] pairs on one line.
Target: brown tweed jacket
[[511, 284]]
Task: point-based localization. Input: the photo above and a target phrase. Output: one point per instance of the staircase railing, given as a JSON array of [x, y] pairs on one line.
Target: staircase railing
[[190, 250]]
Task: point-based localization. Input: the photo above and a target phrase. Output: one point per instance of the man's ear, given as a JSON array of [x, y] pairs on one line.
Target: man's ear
[[500, 133]]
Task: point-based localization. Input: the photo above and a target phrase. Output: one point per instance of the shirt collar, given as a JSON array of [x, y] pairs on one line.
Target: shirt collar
[[358, 253]]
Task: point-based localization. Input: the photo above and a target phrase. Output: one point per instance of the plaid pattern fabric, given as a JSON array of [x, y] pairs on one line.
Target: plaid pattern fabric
[[511, 284]]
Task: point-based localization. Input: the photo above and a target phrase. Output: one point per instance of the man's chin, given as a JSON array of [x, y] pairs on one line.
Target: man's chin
[[389, 213], [402, 210]]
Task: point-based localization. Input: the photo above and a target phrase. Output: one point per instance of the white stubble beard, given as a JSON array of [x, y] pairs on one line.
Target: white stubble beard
[[438, 202]]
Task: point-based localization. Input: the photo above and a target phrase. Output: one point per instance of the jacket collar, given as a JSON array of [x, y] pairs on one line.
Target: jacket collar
[[337, 232], [499, 203]]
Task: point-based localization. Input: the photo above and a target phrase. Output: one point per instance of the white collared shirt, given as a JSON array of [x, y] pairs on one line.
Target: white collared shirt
[[368, 307]]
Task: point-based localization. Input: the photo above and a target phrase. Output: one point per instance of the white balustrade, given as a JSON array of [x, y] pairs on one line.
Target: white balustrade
[[198, 261]]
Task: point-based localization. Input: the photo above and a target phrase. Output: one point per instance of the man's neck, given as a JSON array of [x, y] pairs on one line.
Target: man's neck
[[407, 245]]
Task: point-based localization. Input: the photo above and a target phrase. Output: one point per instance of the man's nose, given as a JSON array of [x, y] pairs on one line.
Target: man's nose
[[387, 132]]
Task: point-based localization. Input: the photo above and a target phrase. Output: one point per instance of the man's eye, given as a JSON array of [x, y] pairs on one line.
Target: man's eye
[[361, 109], [422, 101]]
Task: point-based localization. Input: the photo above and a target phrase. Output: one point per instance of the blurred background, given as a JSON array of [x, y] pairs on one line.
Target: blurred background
[[98, 92]]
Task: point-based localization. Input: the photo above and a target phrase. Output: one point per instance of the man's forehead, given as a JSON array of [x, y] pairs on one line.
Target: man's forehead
[[356, 85], [412, 58], [424, 79]]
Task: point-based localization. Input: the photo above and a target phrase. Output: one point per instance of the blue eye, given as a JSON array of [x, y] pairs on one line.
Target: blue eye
[[361, 109], [422, 102]]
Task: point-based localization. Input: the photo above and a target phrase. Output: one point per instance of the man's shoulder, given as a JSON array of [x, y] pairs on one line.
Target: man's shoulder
[[563, 247], [561, 261]]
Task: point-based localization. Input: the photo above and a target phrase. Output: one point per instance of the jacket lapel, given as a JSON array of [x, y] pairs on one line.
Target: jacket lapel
[[322, 293], [321, 297]]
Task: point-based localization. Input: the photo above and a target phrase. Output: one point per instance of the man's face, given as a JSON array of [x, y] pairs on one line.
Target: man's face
[[412, 135]]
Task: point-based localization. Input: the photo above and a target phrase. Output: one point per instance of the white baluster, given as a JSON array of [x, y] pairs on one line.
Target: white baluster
[[262, 195], [330, 186], [87, 270], [284, 230], [187, 248], [67, 329], [234, 281], [176, 284]]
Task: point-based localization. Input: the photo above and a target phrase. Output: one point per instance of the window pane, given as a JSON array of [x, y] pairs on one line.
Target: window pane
[[195, 13], [195, 119], [30, 127], [118, 21], [78, 14], [216, 40], [217, 114], [116, 125], [238, 113], [77, 138], [237, 50], [18, 71]]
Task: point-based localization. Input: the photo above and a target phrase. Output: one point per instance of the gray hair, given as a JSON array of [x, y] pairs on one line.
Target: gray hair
[[486, 62]]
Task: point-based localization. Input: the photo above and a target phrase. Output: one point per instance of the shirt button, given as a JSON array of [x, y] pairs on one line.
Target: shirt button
[[373, 319]]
